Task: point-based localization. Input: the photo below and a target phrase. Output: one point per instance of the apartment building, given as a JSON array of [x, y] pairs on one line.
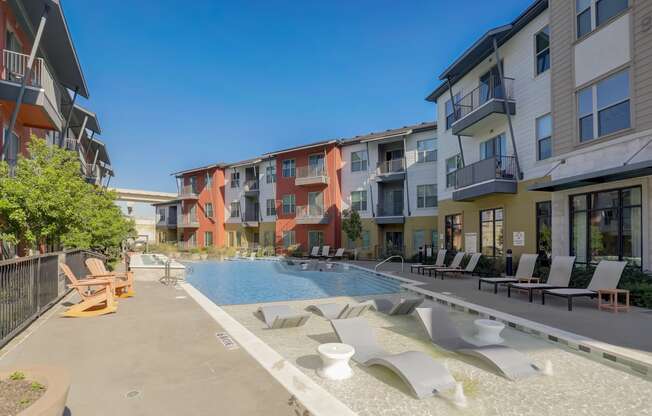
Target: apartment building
[[167, 214], [550, 149]]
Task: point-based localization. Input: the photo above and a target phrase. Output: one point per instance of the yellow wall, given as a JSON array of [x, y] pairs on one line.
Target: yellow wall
[[248, 233], [412, 224]]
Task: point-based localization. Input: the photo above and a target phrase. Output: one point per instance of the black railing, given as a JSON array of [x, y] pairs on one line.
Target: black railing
[[389, 209], [500, 167], [483, 93], [251, 215], [251, 185]]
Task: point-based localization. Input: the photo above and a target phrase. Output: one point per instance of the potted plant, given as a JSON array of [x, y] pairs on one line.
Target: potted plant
[[41, 391], [352, 226]]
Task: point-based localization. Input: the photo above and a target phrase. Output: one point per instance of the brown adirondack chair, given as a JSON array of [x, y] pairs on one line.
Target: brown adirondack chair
[[96, 296], [124, 282]]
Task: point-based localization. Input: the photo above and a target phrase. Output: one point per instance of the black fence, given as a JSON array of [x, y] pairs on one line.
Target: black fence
[[30, 285]]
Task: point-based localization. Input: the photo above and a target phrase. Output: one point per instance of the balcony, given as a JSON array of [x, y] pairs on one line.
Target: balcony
[[483, 106], [251, 187], [389, 213], [187, 245], [311, 175], [489, 176], [250, 218], [391, 170], [310, 214], [166, 222], [188, 192], [41, 102], [187, 221]]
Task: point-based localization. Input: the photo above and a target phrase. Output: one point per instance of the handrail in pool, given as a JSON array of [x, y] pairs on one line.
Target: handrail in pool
[[389, 258]]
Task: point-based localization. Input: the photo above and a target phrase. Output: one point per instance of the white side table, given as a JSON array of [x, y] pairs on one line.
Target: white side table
[[488, 331], [335, 358]]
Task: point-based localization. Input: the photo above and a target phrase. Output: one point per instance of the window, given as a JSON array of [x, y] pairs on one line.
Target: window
[[544, 134], [418, 240], [315, 204], [289, 168], [268, 238], [366, 239], [231, 238], [604, 107], [359, 161], [493, 148], [542, 47], [316, 165], [434, 239], [235, 209], [592, 14], [193, 184], [161, 214], [208, 210], [288, 203], [606, 225], [235, 179], [359, 200], [238, 238], [453, 224], [426, 196], [288, 238], [208, 238], [452, 164], [315, 239], [544, 224], [270, 173], [491, 232], [452, 112], [427, 150], [271, 207]]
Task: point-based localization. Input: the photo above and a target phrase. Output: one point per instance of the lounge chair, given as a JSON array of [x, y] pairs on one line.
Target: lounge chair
[[439, 262], [325, 251], [338, 254], [455, 264], [96, 296], [442, 331], [524, 271], [315, 252], [559, 277], [340, 310], [469, 269], [282, 316], [606, 276], [423, 375], [401, 307], [123, 282]]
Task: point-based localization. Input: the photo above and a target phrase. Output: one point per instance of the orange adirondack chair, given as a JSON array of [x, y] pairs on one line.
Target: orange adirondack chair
[[96, 295], [123, 282]]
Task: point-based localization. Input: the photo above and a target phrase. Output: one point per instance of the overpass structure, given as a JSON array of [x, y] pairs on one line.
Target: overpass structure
[[140, 195]]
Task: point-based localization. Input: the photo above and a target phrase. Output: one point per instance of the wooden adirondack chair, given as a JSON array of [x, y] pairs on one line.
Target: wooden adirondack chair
[[123, 282], [96, 296]]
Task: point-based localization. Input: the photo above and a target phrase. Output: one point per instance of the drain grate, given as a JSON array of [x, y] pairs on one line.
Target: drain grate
[[132, 394]]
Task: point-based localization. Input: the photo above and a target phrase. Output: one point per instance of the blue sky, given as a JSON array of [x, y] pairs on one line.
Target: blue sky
[[179, 84]]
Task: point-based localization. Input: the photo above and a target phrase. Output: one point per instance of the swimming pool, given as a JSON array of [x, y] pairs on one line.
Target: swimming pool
[[244, 282]]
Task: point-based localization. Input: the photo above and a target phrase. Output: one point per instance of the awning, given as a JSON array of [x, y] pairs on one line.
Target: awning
[[634, 170], [78, 114]]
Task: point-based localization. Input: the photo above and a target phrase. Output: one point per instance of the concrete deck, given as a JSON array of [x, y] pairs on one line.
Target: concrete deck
[[630, 330], [160, 344]]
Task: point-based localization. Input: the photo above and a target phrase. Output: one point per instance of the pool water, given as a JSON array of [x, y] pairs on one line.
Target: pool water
[[244, 282]]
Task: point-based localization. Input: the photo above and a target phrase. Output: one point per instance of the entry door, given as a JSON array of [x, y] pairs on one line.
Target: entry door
[[394, 240]]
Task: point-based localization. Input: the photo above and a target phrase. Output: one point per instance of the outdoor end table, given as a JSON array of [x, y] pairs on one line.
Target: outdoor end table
[[488, 331], [612, 299], [335, 358]]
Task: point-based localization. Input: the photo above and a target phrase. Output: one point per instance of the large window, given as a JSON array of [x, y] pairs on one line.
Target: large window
[[270, 173], [603, 108], [235, 179], [426, 196], [452, 164], [193, 184], [209, 180], [235, 209], [493, 148], [208, 238], [606, 225], [453, 224], [208, 210], [592, 14], [289, 168], [288, 204], [427, 150], [418, 240], [491, 232], [315, 239], [289, 238], [359, 161], [271, 207], [452, 112], [542, 46], [359, 200], [544, 137], [544, 226]]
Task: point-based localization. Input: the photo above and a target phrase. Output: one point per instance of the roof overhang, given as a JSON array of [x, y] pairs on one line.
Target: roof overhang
[[199, 169], [308, 146], [92, 124], [245, 163], [388, 136], [56, 42], [634, 170]]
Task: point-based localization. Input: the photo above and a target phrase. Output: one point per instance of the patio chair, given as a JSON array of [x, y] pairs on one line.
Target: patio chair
[[455, 264], [282, 316], [338, 254], [123, 282], [524, 271], [606, 276], [469, 269], [420, 372], [340, 310], [439, 262], [401, 306], [314, 253], [559, 277], [512, 364], [325, 251], [96, 296]]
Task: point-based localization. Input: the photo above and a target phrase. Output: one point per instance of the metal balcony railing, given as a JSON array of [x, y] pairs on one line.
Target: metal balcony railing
[[187, 245], [389, 209], [313, 171], [483, 93], [251, 185], [500, 167], [309, 211], [188, 190], [250, 216], [14, 68], [391, 166], [188, 220]]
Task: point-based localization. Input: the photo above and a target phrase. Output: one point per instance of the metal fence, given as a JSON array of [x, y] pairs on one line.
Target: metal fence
[[30, 285]]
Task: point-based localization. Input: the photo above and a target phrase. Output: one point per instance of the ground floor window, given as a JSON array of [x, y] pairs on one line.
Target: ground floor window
[[238, 238], [607, 225], [288, 238], [315, 239], [544, 226], [366, 239], [268, 238], [434, 238], [208, 238], [231, 239], [491, 232], [418, 240], [453, 225], [394, 242]]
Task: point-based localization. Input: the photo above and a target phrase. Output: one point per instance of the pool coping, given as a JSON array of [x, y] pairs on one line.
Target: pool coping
[[639, 363]]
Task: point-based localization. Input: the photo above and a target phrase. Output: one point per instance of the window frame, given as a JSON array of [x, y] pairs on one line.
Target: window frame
[[422, 199], [235, 208], [270, 210], [235, 178], [458, 163], [449, 240], [422, 155], [455, 111], [539, 53], [291, 171], [206, 210], [538, 219], [363, 202], [362, 162], [293, 238], [539, 139], [270, 173], [593, 18], [292, 205], [206, 234], [493, 222]]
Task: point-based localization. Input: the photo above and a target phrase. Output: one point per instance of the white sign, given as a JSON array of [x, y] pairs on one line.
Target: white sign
[[227, 341], [471, 242], [429, 251], [518, 239]]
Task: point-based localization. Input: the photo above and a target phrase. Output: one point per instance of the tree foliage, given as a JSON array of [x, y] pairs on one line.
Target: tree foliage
[[351, 224], [48, 200]]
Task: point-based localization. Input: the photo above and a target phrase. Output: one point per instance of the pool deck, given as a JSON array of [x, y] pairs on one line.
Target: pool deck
[[161, 344], [629, 330]]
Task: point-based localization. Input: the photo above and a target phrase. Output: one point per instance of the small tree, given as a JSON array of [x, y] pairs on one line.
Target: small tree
[[352, 226]]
